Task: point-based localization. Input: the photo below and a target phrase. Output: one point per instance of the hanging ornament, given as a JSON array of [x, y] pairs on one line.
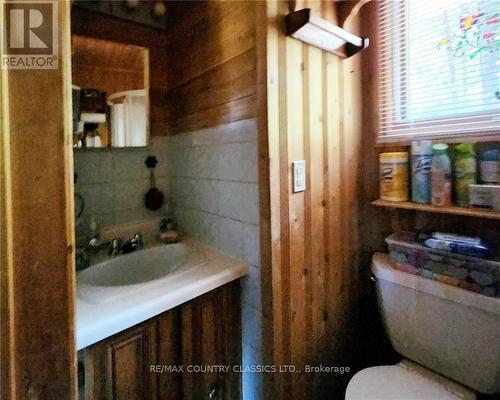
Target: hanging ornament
[[153, 199]]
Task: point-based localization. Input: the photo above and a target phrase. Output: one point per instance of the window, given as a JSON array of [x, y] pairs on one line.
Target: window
[[439, 69]]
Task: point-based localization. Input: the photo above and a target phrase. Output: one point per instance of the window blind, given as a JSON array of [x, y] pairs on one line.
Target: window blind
[[439, 69]]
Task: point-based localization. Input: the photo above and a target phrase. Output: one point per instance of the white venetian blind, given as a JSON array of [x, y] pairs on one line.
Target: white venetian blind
[[439, 69]]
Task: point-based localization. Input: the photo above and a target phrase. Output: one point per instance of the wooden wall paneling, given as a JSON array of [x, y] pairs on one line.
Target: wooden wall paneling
[[221, 114], [87, 23], [315, 223], [7, 386], [222, 31], [38, 208], [276, 279], [211, 64], [280, 193], [295, 103], [264, 179], [100, 53], [352, 119], [107, 80], [335, 220], [226, 82], [311, 115]]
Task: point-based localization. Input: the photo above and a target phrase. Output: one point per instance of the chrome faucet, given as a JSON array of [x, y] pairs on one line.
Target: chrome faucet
[[95, 243], [134, 243], [116, 247]]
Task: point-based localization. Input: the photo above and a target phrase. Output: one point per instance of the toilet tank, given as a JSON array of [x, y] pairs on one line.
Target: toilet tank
[[449, 330]]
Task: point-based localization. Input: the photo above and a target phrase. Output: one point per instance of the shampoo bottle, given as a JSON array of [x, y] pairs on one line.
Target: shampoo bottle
[[421, 160], [441, 176], [465, 172], [490, 166]]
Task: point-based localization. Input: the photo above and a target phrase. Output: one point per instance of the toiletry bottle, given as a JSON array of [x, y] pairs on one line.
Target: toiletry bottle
[[490, 166], [421, 160], [441, 176], [168, 232], [394, 176], [465, 172]]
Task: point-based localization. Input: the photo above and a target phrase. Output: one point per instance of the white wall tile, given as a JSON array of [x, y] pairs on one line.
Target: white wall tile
[[230, 236], [238, 162], [251, 326], [214, 196], [93, 166], [113, 183], [129, 164], [239, 201], [251, 245], [251, 288]]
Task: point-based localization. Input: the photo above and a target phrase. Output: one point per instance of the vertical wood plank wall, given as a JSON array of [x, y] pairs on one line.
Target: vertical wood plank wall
[[37, 210], [313, 114], [6, 265]]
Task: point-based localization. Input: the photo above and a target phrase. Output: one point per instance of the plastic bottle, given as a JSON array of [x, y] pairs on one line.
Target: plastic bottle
[[394, 176], [490, 166], [465, 171], [421, 161], [441, 176]]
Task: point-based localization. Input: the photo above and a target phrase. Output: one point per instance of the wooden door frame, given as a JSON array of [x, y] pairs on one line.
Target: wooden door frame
[[37, 278]]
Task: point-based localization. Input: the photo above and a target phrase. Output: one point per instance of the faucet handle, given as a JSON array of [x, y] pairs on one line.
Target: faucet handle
[[115, 247], [138, 239]]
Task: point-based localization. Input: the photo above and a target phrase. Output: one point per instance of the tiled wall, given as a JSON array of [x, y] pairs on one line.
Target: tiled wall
[[113, 183], [214, 197]]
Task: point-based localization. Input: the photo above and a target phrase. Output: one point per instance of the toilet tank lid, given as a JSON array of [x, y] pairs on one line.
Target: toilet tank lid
[[382, 268], [403, 381]]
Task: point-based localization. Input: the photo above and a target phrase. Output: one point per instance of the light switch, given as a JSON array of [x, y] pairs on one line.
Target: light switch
[[299, 176]]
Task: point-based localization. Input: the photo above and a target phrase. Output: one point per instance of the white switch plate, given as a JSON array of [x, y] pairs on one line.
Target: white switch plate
[[299, 176]]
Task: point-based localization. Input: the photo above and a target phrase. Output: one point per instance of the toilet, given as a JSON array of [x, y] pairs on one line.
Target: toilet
[[449, 338]]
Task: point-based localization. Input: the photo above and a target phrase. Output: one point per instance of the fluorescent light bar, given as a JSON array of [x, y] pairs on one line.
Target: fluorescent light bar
[[318, 32]]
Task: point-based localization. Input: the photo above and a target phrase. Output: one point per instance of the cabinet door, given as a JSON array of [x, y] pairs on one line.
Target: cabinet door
[[169, 350], [122, 365], [203, 333], [211, 340]]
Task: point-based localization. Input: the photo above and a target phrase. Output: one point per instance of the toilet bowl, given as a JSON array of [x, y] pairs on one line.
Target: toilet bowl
[[449, 338]]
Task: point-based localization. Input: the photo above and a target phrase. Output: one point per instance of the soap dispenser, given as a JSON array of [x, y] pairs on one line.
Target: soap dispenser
[[168, 232]]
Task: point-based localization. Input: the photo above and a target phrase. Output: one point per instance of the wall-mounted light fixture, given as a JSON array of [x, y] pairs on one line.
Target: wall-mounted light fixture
[[305, 26]]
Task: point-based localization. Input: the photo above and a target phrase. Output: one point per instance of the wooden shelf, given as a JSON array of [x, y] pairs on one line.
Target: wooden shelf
[[408, 205]]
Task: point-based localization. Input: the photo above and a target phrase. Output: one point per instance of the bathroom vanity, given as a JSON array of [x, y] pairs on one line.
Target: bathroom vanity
[[160, 323], [150, 360]]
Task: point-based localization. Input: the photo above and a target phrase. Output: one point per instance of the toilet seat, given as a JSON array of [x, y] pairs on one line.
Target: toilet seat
[[403, 381]]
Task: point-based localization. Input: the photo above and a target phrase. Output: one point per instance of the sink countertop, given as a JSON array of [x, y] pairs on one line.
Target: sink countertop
[[99, 320]]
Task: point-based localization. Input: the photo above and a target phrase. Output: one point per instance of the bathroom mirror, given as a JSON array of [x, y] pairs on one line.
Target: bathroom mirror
[[110, 94]]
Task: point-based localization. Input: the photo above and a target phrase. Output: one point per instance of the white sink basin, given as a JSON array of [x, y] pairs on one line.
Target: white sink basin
[[122, 273], [138, 267], [128, 289]]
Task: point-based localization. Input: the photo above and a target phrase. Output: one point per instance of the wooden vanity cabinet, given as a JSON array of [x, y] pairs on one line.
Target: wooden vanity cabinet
[[204, 332]]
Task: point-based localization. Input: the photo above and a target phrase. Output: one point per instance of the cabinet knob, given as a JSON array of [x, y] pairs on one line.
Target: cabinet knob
[[212, 394]]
